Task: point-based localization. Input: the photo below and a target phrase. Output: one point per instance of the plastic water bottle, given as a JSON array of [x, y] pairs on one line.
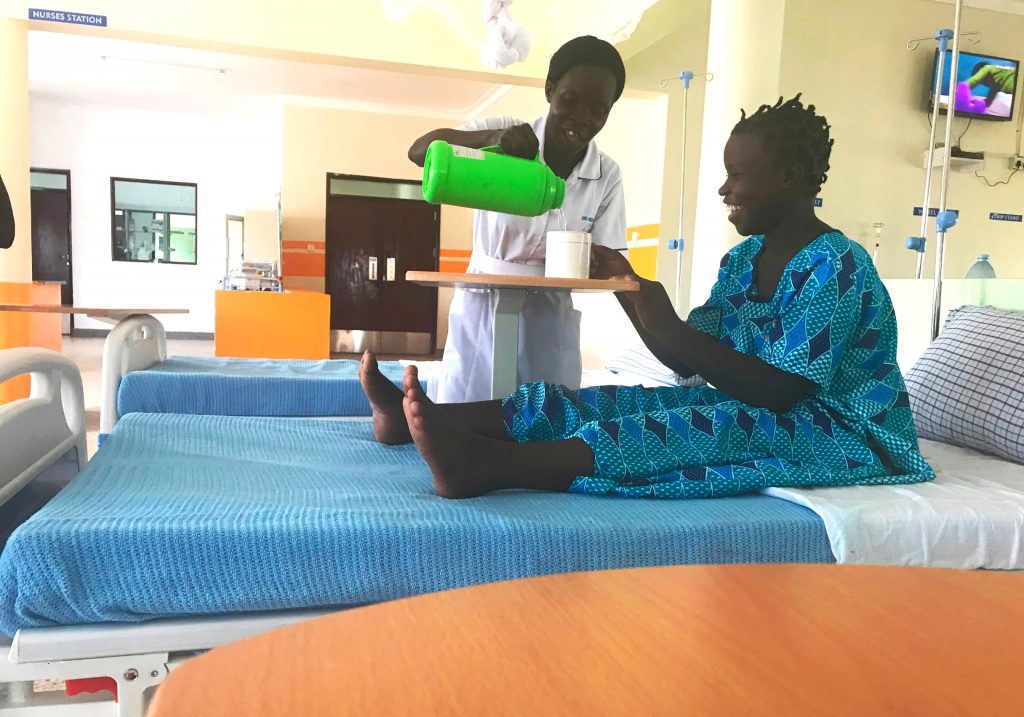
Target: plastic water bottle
[[981, 269], [486, 179]]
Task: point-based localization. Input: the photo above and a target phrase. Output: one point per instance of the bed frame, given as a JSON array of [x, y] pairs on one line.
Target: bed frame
[[43, 438], [134, 344]]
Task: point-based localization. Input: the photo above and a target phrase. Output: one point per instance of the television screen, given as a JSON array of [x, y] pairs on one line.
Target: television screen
[[986, 86]]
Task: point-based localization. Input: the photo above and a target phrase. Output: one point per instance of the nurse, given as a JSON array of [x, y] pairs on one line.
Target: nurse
[[585, 78]]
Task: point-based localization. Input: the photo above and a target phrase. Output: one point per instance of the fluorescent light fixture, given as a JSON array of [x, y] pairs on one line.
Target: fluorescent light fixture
[[219, 70]]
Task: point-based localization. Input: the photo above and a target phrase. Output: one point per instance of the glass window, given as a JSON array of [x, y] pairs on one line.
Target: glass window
[[153, 221], [43, 179]]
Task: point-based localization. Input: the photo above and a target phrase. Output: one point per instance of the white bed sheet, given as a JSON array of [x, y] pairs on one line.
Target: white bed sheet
[[971, 516], [429, 371], [605, 377]]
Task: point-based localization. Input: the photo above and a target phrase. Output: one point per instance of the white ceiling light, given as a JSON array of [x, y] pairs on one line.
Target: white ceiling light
[[221, 70]]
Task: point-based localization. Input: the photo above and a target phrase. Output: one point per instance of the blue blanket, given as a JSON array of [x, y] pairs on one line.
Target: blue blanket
[[248, 387], [191, 515]]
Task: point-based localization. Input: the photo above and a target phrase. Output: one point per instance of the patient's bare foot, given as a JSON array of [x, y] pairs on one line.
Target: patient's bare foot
[[460, 460], [389, 424]]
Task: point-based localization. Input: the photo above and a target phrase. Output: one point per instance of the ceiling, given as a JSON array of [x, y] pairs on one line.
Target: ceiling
[[1015, 7], [97, 70]]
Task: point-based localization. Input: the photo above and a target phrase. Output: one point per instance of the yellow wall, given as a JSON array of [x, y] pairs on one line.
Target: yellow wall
[[318, 141], [853, 64], [16, 262], [686, 48]]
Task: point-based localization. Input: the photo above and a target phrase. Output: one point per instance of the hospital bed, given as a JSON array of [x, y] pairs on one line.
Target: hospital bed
[[188, 531], [138, 377], [260, 521]]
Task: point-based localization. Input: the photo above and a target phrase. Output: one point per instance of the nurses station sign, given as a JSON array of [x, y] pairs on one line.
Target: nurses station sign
[[73, 18]]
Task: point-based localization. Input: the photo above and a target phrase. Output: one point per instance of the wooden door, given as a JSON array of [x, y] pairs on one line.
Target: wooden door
[[353, 262], [371, 243], [51, 235], [409, 244]]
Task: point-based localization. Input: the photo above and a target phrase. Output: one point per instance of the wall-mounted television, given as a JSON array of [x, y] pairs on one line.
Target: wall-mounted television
[[986, 86]]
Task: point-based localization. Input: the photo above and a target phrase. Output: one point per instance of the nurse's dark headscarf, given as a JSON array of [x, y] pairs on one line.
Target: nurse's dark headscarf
[[588, 50]]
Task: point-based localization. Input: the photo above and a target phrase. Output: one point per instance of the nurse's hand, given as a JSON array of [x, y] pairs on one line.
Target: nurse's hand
[[519, 141], [606, 263]]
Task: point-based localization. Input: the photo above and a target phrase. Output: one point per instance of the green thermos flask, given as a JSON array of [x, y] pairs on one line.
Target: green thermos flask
[[486, 179]]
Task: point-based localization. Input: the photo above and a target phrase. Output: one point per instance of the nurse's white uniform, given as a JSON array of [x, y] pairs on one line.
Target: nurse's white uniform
[[549, 329]]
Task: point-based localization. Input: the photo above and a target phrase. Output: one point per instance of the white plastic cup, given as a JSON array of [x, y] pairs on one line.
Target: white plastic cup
[[567, 255]]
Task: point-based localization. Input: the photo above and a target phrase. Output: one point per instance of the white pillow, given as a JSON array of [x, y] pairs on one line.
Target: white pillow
[[637, 359]]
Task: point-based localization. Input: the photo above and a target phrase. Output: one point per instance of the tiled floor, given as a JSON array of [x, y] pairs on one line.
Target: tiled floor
[[88, 356]]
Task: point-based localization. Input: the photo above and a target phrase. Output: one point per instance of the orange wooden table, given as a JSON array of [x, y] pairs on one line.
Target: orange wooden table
[[272, 325], [722, 640]]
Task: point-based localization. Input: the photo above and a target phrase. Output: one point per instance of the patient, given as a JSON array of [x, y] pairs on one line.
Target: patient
[[798, 339]]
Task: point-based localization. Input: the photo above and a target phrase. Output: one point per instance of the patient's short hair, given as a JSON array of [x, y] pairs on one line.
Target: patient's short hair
[[795, 134]]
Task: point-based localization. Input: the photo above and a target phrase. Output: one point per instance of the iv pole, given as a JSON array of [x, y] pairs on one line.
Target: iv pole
[[944, 219], [677, 244], [918, 243]]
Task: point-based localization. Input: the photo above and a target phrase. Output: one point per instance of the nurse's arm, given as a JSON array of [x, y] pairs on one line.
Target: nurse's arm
[[517, 141]]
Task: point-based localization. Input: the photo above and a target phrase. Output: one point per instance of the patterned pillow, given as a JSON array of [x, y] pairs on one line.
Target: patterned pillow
[[968, 387]]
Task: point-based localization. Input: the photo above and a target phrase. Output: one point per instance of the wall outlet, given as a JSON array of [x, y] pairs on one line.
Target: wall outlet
[[1017, 163]]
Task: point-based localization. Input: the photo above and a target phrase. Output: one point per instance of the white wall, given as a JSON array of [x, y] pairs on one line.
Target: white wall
[[236, 163]]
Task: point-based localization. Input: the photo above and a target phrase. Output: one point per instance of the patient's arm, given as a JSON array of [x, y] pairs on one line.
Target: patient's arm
[[744, 377], [655, 346], [606, 263]]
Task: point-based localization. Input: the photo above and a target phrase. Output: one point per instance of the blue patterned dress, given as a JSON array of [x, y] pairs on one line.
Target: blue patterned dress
[[830, 321]]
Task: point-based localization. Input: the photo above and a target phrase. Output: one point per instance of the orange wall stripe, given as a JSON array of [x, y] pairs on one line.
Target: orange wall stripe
[[301, 264], [302, 245], [455, 266], [455, 260]]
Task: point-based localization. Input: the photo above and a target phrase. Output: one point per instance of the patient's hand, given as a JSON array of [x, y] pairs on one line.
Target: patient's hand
[[653, 307], [606, 263]]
